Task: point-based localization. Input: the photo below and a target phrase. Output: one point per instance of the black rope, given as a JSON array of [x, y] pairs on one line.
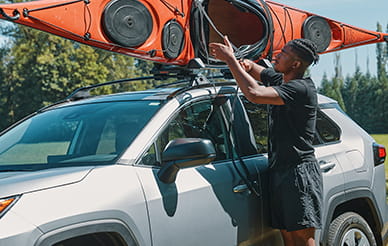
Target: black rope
[[173, 8], [183, 11], [54, 6], [87, 35], [270, 26], [280, 24], [16, 15], [292, 26], [246, 178], [87, 27]]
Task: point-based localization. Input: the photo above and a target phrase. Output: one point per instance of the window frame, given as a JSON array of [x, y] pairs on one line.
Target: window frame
[[172, 117], [317, 134], [265, 146]]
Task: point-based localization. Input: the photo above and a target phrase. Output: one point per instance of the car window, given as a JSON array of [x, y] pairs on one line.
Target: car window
[[202, 119], [326, 130], [76, 135], [257, 114]]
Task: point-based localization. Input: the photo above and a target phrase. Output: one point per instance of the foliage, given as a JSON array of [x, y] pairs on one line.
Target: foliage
[[383, 139], [362, 96], [38, 69]]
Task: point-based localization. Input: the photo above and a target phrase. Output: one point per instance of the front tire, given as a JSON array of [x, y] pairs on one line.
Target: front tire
[[350, 229]]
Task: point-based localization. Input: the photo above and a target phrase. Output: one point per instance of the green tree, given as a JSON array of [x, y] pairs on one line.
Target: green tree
[[333, 88], [40, 68], [379, 106], [381, 57], [381, 88], [4, 93], [351, 92], [364, 97]]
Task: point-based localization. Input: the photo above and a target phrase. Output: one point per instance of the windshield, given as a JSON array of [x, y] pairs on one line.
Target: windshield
[[86, 134]]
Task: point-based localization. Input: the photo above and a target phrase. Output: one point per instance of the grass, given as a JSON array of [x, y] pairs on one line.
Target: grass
[[383, 139]]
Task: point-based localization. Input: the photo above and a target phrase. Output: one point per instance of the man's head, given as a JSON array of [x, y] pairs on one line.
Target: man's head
[[305, 49], [296, 56]]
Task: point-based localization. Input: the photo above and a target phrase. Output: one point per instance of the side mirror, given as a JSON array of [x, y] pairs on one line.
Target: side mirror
[[184, 152]]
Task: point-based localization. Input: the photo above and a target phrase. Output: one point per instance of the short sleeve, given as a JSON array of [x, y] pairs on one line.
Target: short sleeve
[[291, 92], [270, 77]]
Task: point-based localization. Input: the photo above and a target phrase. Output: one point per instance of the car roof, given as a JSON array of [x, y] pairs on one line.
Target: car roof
[[325, 100], [151, 94], [160, 94]]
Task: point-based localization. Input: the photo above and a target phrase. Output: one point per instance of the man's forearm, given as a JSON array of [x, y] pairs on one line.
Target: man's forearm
[[255, 71], [245, 81], [249, 86]]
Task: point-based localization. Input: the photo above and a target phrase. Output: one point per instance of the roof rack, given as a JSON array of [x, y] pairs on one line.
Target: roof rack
[[192, 69], [190, 75], [160, 72]]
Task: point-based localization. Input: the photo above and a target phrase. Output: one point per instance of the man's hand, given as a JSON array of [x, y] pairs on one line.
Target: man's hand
[[222, 52], [247, 65]]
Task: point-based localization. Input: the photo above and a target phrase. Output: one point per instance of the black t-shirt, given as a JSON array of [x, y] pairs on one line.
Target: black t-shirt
[[291, 126]]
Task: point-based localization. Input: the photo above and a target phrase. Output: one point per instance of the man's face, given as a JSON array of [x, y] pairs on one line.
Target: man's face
[[285, 60]]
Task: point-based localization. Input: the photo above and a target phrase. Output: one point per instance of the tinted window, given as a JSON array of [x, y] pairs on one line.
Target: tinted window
[[257, 114], [200, 120], [326, 130], [77, 135]]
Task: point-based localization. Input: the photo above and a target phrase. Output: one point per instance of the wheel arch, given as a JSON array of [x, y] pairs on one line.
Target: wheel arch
[[114, 231], [360, 201]]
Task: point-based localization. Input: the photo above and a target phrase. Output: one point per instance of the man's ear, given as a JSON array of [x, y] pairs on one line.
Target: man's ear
[[297, 64]]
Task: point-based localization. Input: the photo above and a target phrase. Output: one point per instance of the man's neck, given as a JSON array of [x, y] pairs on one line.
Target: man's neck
[[292, 75]]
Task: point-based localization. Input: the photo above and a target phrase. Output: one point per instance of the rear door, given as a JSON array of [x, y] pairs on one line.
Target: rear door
[[328, 150], [209, 204]]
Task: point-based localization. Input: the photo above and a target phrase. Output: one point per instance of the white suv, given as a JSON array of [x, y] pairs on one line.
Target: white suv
[[183, 165]]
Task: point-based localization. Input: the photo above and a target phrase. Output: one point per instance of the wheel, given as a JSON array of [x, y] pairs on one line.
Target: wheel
[[350, 229]]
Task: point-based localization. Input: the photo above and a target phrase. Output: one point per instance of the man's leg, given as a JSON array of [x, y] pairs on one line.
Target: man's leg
[[304, 237], [297, 199], [288, 239]]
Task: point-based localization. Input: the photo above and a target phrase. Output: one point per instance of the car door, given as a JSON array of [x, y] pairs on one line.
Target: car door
[[328, 149], [209, 204], [256, 115]]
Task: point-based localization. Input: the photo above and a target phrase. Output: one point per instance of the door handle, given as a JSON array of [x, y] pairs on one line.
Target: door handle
[[326, 166], [240, 188]]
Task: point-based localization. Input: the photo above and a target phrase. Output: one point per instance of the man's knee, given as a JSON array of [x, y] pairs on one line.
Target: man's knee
[[288, 238], [305, 236]]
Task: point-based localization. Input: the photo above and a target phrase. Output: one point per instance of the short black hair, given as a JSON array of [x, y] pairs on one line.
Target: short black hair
[[305, 49]]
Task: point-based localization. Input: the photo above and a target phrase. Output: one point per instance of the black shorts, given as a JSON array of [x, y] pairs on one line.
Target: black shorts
[[296, 197]]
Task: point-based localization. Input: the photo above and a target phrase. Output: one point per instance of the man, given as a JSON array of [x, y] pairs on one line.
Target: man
[[295, 177]]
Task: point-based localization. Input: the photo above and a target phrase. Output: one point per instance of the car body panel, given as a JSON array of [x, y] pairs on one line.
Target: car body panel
[[236, 217], [224, 202], [93, 199], [16, 229], [39, 180], [355, 150]]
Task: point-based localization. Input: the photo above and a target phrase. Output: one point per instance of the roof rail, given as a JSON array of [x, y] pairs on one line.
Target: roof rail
[[84, 92], [159, 72]]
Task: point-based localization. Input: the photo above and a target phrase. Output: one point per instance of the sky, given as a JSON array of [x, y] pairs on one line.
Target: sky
[[360, 13]]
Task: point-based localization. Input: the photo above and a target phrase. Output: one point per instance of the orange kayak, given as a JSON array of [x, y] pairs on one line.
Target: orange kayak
[[176, 31]]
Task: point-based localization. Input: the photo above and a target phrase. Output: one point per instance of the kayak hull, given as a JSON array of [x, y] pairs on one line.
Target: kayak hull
[[177, 31]]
